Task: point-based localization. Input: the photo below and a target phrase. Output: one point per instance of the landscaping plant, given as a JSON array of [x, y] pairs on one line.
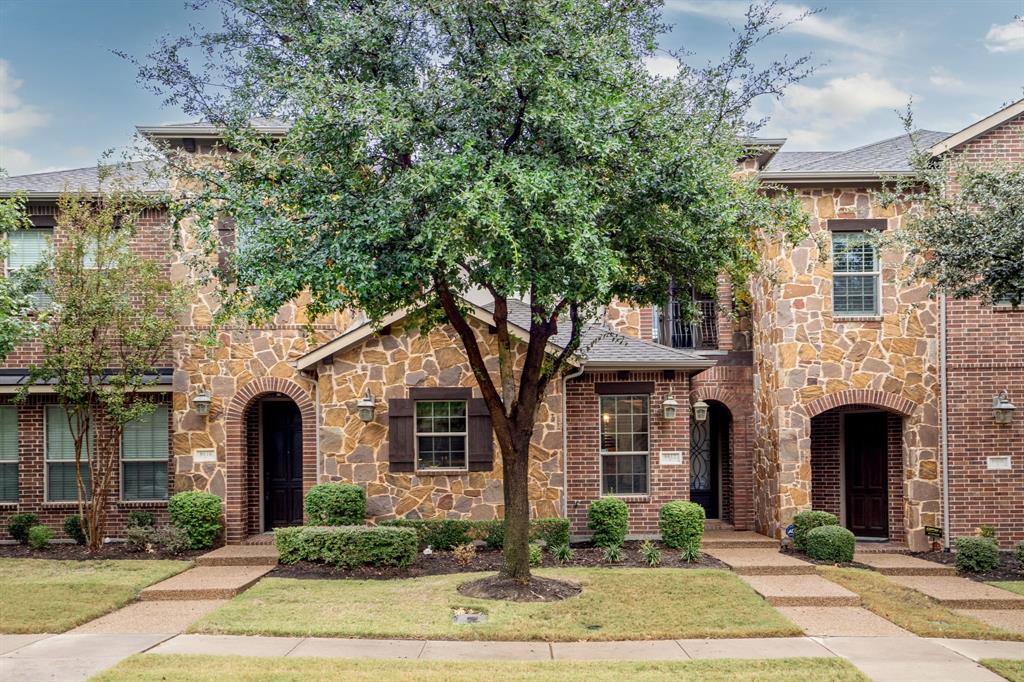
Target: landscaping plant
[[336, 504], [171, 539], [681, 523], [608, 520], [198, 514], [1018, 552], [976, 554], [535, 554], [563, 553], [612, 554], [39, 537], [690, 552], [436, 148], [19, 525], [806, 521], [650, 553], [464, 554], [73, 529], [346, 546], [830, 543], [141, 519]]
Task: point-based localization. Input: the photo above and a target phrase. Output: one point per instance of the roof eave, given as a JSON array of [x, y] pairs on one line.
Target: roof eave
[[975, 129], [200, 132], [682, 364], [833, 176], [53, 196]]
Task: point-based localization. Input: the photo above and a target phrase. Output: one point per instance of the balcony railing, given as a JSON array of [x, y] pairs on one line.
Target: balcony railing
[[699, 334]]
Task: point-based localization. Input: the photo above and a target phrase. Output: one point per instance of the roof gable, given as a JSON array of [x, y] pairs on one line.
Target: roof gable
[[974, 130]]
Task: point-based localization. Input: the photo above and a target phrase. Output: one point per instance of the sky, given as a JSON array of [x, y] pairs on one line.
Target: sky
[[66, 98]]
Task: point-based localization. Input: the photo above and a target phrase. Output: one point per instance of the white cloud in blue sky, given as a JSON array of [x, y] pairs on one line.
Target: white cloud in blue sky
[[66, 99]]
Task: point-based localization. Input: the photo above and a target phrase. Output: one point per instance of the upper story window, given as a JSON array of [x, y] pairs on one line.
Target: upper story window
[[8, 453], [441, 434], [144, 452], [671, 327], [855, 274], [29, 248], [61, 484], [625, 444]]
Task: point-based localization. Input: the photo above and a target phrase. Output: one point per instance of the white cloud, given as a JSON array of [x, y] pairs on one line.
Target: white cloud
[[661, 65], [16, 161], [945, 80], [1007, 37], [16, 117]]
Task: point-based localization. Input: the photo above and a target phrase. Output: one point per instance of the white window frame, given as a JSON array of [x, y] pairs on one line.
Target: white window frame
[[17, 457], [37, 304], [601, 452], [875, 272], [416, 433], [165, 459], [89, 446]]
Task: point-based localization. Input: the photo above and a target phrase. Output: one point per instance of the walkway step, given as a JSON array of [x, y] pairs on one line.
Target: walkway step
[[841, 621], [744, 561], [1007, 619], [240, 555], [801, 590], [901, 564], [737, 539], [206, 582], [962, 593], [153, 617]]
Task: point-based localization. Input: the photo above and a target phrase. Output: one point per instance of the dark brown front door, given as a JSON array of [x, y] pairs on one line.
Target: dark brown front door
[[867, 491], [282, 464]]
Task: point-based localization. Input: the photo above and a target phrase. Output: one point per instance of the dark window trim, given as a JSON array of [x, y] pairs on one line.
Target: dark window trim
[[623, 387], [441, 393], [43, 220], [857, 224]]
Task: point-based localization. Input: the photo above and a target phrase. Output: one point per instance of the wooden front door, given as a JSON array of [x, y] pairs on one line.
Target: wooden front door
[[867, 490], [282, 464]]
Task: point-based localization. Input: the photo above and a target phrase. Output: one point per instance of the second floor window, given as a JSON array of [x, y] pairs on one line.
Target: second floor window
[[855, 274], [28, 248]]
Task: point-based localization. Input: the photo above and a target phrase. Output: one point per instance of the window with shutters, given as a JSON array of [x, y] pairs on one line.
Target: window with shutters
[[625, 444], [441, 434], [855, 274], [144, 453], [60, 457], [28, 248], [8, 453]]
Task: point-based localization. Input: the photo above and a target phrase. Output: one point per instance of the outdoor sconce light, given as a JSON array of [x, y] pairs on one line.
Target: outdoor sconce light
[[201, 404], [1002, 408], [670, 405], [366, 406], [700, 411]]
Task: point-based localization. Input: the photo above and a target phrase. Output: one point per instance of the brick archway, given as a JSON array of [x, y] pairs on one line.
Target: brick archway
[[861, 396], [741, 464], [237, 451]]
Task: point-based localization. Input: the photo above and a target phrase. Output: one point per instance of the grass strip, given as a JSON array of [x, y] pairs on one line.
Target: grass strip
[[1012, 670]]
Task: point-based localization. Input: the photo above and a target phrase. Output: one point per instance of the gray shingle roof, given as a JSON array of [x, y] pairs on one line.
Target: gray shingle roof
[[138, 175], [205, 128], [787, 160], [885, 156]]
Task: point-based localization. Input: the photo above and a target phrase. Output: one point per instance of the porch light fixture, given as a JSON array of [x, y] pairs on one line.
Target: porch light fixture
[[670, 406], [700, 411], [1002, 408], [366, 406], [201, 403]]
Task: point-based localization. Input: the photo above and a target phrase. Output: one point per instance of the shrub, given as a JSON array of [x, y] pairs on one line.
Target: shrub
[[608, 520], [336, 504], [139, 539], [19, 525], [536, 554], [171, 539], [986, 532], [563, 553], [141, 519], [450, 533], [612, 554], [830, 543], [347, 546], [1018, 552], [681, 523], [690, 552], [650, 553], [39, 537], [976, 554], [464, 554], [805, 521], [73, 529], [198, 514], [443, 534], [551, 531]]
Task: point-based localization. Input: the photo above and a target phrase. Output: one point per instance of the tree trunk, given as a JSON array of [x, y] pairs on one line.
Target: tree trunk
[[515, 470]]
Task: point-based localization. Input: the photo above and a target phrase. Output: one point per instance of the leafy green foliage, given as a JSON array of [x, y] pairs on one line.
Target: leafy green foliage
[[690, 552], [612, 554], [39, 537], [976, 554], [335, 504], [608, 521], [448, 533], [681, 523], [347, 546], [444, 534], [18, 526], [198, 514], [830, 543], [73, 529], [1018, 553], [141, 519], [650, 552], [806, 521], [16, 321], [536, 554], [563, 553]]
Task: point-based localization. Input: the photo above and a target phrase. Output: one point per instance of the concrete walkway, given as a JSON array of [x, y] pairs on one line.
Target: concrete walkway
[[885, 659]]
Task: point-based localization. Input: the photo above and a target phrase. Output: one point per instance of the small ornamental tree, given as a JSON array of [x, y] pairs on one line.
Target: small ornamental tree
[[519, 147], [108, 326]]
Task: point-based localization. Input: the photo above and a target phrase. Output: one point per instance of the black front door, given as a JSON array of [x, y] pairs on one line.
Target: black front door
[[704, 444], [867, 491], [282, 464]]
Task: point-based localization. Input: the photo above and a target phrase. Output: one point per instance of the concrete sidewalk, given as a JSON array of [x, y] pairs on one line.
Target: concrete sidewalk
[[885, 659]]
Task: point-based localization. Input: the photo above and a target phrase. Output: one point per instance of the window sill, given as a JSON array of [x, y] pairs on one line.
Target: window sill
[[441, 472], [60, 505], [856, 318], [138, 504], [8, 505], [631, 499]]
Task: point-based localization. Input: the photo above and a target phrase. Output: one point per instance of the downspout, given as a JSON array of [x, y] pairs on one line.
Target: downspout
[[944, 421], [565, 440]]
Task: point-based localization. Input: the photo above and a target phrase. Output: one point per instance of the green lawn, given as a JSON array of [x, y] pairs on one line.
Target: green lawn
[[910, 609], [1011, 585], [616, 604], [215, 668], [39, 595], [1010, 669]]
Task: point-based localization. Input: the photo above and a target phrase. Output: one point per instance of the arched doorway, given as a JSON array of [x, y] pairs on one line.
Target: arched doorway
[[278, 438], [711, 463]]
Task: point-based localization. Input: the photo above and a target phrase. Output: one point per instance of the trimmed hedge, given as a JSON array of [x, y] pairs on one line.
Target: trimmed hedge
[[806, 521], [830, 543], [198, 514], [608, 520], [346, 546], [1018, 552], [446, 534], [19, 525], [335, 504], [681, 524], [73, 529], [976, 554], [39, 537]]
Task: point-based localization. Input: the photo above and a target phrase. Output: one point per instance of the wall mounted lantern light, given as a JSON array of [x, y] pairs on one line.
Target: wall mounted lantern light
[[201, 403], [366, 406], [1002, 408], [700, 411], [670, 406]]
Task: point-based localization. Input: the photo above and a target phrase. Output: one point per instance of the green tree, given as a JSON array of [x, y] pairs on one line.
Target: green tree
[[109, 325], [16, 318], [519, 147]]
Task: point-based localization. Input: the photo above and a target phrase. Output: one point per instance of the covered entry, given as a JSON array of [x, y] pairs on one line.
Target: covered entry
[[710, 463], [281, 452]]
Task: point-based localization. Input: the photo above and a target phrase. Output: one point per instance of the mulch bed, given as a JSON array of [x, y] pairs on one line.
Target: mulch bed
[[1008, 567], [443, 563], [70, 552], [538, 589]]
